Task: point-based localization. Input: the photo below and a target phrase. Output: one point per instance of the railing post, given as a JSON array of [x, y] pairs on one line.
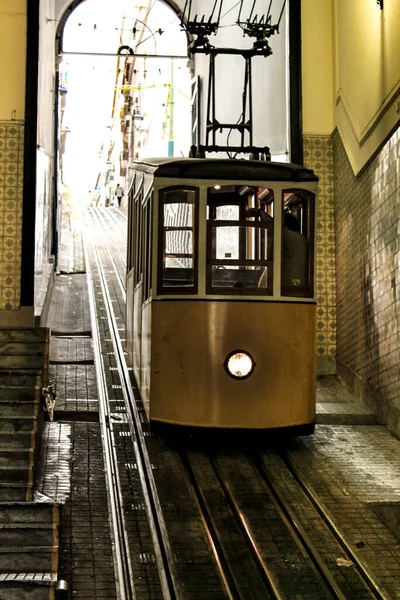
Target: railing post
[[61, 590]]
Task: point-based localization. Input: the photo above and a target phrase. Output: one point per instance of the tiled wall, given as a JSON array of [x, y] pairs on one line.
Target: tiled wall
[[11, 186], [368, 273], [318, 155]]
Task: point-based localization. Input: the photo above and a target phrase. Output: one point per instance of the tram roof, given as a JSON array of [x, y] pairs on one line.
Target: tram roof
[[224, 168]]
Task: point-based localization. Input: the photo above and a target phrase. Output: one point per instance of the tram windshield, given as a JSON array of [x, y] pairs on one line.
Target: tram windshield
[[239, 240]]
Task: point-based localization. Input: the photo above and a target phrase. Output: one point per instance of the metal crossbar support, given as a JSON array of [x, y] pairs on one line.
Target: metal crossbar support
[[245, 124], [254, 26]]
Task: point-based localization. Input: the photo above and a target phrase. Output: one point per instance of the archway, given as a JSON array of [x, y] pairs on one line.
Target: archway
[[123, 80]]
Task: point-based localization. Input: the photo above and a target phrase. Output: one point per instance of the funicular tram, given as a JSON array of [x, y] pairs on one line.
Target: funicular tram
[[221, 311]]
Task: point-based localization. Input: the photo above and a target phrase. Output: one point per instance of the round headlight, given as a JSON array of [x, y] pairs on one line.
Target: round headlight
[[239, 364]]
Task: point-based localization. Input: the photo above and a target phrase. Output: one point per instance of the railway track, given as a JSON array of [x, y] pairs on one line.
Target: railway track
[[190, 524], [99, 261], [259, 516]]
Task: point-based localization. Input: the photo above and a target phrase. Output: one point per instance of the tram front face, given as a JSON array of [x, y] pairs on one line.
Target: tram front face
[[233, 319]]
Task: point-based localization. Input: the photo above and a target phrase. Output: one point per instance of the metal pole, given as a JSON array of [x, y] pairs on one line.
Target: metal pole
[[61, 590], [171, 113]]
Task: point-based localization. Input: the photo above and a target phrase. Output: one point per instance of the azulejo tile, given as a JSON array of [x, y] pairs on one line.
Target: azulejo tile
[[318, 155], [12, 131], [11, 188]]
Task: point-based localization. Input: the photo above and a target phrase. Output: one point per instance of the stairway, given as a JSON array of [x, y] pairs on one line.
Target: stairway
[[28, 550], [20, 422], [28, 530]]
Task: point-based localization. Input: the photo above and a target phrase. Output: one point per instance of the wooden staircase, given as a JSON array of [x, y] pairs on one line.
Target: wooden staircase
[[28, 530]]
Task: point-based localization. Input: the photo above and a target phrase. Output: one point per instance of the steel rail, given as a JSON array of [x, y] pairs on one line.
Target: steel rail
[[263, 567], [368, 579], [122, 562], [111, 215], [104, 224], [293, 523], [108, 216], [223, 567], [120, 280], [158, 530]]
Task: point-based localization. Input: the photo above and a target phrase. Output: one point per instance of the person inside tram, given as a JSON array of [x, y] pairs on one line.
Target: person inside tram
[[295, 254], [259, 212], [266, 219]]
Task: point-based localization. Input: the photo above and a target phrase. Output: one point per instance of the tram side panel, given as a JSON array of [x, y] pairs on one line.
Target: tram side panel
[[129, 316], [145, 365], [133, 329], [190, 342]]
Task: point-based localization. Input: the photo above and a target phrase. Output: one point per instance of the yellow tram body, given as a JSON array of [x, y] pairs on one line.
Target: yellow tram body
[[204, 290]]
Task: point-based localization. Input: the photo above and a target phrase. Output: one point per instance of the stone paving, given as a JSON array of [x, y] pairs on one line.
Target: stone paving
[[71, 469], [355, 472]]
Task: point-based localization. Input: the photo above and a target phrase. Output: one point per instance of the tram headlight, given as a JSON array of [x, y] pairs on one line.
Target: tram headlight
[[239, 364]]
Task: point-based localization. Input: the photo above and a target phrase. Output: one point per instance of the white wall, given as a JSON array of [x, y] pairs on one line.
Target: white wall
[[47, 58], [269, 78]]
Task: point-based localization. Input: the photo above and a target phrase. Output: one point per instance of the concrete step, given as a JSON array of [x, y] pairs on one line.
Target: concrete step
[[21, 591], [29, 512], [12, 440], [337, 404], [14, 492], [28, 550], [18, 408], [15, 457], [32, 560], [24, 535], [26, 335], [18, 424], [14, 474], [23, 349], [26, 378], [333, 415], [18, 392]]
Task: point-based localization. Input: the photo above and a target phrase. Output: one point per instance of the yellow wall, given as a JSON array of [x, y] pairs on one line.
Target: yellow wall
[[351, 72], [368, 75], [12, 63], [317, 67]]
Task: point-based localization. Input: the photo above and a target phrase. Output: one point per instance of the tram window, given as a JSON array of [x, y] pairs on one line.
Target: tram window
[[138, 238], [147, 248], [240, 241], [177, 272], [298, 244], [131, 237]]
